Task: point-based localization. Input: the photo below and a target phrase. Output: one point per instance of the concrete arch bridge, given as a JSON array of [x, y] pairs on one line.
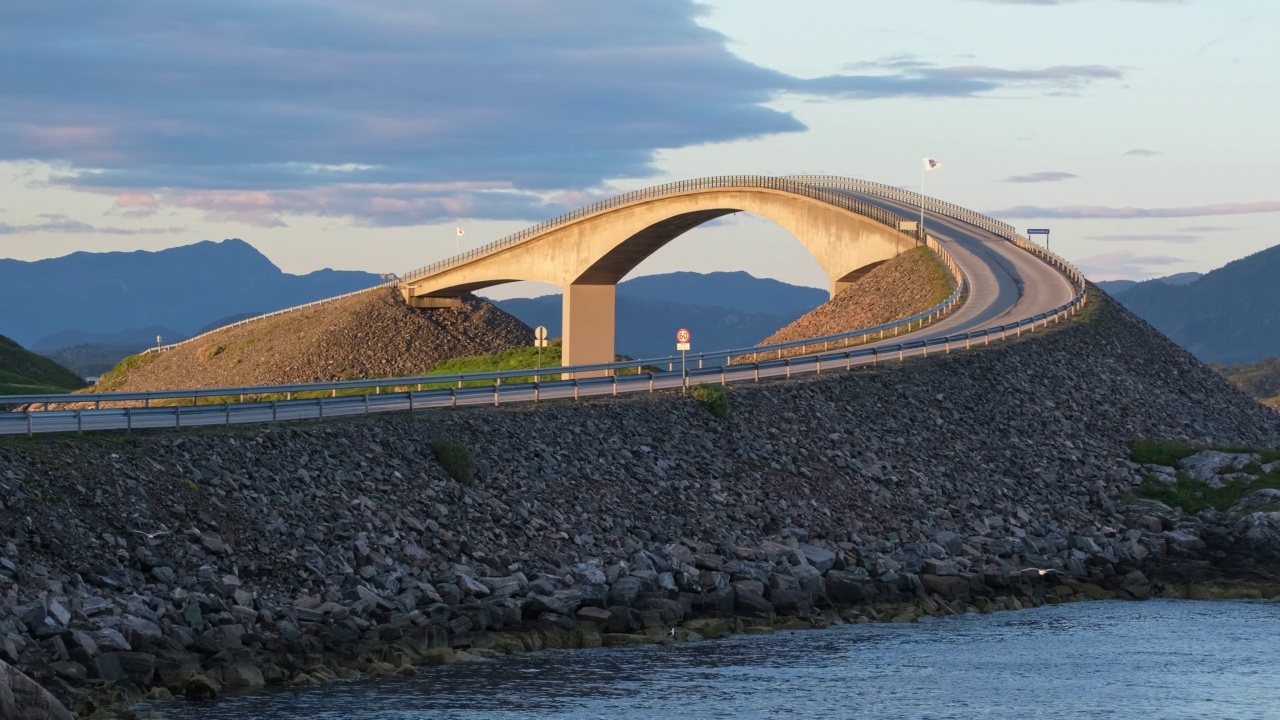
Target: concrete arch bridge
[[587, 252]]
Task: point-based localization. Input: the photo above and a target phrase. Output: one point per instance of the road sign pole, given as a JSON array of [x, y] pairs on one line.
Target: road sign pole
[[684, 374]]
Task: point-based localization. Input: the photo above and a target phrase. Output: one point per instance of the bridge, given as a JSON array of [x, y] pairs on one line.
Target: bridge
[[849, 226], [1006, 286]]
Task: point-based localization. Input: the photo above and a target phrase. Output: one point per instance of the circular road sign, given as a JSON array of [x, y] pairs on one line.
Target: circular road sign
[[682, 336], [540, 333]]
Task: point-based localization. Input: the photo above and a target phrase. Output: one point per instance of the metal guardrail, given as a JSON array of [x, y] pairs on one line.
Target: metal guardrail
[[130, 418], [923, 319], [766, 182]]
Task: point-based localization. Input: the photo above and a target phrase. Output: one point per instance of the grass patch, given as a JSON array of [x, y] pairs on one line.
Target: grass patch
[[1145, 451], [116, 377], [209, 352], [1159, 452], [713, 397], [1193, 496], [23, 372], [456, 459], [938, 279]]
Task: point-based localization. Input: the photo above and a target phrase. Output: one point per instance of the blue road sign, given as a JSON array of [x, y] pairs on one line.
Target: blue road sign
[[1037, 231]]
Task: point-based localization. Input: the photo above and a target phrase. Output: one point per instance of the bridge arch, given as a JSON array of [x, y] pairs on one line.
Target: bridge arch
[[588, 255]]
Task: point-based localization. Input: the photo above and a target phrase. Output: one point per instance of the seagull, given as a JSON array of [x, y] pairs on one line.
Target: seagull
[[154, 535], [671, 633]]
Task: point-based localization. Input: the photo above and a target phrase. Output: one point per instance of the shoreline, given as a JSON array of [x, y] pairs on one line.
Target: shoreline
[[372, 665], [411, 655]]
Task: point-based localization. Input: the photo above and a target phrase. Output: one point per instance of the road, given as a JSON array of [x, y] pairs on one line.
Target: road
[[1006, 284]]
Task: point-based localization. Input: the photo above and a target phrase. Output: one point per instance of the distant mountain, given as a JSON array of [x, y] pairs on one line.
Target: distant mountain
[[1230, 315], [1115, 287], [178, 291], [24, 373], [721, 310], [130, 337]]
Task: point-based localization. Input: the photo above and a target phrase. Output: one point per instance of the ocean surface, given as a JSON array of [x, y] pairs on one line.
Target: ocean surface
[[1149, 660]]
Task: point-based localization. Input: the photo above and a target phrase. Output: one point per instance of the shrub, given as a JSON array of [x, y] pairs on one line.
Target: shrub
[[713, 397], [456, 459]]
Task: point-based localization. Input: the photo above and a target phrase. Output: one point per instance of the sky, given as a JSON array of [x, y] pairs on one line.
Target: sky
[[358, 134]]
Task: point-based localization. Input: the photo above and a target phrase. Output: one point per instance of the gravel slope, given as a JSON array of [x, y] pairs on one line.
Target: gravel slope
[[369, 335], [908, 284]]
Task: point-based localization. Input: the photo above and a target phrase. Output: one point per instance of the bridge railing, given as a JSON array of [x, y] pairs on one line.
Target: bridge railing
[[951, 210], [874, 212]]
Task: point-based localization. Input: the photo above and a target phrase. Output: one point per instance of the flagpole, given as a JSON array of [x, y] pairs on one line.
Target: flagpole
[[922, 173]]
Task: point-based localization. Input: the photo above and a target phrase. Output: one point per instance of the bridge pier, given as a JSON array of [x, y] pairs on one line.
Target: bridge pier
[[588, 314]]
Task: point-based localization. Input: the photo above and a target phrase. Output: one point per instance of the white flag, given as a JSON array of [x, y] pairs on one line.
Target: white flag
[[461, 232], [930, 164]]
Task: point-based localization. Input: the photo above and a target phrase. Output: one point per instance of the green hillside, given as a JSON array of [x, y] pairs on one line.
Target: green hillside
[[24, 373], [1261, 379]]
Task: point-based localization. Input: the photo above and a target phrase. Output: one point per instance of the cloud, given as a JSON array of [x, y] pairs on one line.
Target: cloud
[[189, 100], [1082, 212], [1168, 238], [1124, 264], [64, 224], [1206, 229], [1141, 152], [371, 204], [1041, 177]]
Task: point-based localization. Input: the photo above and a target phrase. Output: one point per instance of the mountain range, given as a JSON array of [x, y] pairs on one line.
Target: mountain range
[[1229, 315], [130, 297]]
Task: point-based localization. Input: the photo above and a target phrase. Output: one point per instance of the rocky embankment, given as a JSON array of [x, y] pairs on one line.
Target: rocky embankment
[[904, 286], [198, 562], [371, 335]]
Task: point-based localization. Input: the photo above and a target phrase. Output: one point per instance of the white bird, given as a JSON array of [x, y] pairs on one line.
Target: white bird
[[154, 535], [672, 632]]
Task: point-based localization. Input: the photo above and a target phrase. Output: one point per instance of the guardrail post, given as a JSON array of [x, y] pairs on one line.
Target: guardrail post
[[79, 421], [453, 397], [901, 353], [320, 405], [177, 416], [366, 403], [875, 357], [495, 395], [274, 403], [28, 423], [926, 348], [227, 407], [410, 394], [575, 388]]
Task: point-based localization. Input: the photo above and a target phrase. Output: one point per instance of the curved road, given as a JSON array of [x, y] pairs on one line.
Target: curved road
[[1005, 284]]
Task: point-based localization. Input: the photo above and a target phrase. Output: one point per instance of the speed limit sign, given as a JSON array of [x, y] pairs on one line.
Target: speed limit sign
[[682, 339]]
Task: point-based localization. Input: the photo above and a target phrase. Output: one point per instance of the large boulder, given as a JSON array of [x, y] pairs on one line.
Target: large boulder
[[22, 699]]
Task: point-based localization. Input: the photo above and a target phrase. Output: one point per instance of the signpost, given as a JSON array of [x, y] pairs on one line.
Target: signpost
[[682, 344], [1040, 231], [540, 341], [905, 226]]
